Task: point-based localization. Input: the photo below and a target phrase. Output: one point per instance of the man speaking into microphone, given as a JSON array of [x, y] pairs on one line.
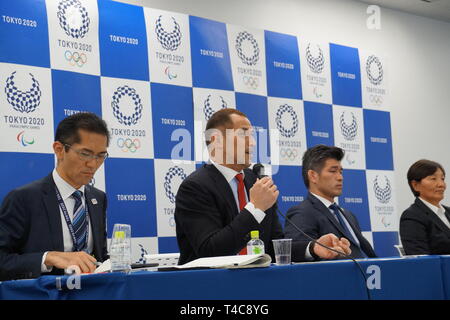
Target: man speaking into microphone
[[219, 204]]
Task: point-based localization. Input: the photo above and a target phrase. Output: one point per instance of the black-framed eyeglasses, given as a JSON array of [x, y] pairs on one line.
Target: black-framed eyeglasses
[[88, 156]]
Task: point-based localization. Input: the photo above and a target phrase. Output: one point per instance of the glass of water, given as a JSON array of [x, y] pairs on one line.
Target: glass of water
[[282, 248]]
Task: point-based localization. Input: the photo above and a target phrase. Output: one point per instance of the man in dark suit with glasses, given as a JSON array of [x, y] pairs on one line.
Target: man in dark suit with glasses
[[59, 222]]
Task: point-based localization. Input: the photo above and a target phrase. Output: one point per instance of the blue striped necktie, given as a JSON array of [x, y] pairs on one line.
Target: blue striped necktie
[[79, 222], [347, 232]]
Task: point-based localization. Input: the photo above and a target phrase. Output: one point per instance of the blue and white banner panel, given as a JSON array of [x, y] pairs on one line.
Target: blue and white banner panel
[[73, 35], [26, 109], [315, 71], [248, 62], [374, 81], [169, 48], [156, 77]]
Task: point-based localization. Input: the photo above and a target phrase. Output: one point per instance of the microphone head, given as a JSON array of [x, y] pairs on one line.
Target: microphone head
[[258, 170]]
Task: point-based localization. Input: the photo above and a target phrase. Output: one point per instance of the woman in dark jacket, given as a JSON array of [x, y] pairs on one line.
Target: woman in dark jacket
[[425, 225]]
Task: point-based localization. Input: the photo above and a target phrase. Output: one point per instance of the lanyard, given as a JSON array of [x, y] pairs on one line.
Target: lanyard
[[62, 205]]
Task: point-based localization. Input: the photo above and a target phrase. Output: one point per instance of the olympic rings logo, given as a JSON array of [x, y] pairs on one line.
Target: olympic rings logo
[[376, 100], [251, 82], [288, 154], [128, 145], [75, 58]]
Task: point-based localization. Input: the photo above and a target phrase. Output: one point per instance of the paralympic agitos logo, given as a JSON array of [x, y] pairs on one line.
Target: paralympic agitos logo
[[24, 140]]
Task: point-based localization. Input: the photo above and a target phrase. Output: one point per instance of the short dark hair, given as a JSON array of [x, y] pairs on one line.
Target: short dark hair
[[314, 159], [221, 119], [67, 130], [421, 169]]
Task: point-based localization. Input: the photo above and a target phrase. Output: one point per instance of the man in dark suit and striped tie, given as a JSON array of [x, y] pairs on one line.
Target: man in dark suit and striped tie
[[318, 214], [59, 222]]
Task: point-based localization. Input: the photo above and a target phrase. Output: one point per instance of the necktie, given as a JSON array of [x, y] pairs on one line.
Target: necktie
[[79, 222], [241, 191], [242, 200], [347, 232]]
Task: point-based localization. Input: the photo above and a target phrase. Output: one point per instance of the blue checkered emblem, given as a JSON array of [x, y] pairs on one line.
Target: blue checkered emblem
[[377, 79], [288, 133], [382, 194], [349, 131], [127, 120], [73, 18], [173, 172], [23, 101], [169, 40], [315, 63], [209, 111], [245, 36]]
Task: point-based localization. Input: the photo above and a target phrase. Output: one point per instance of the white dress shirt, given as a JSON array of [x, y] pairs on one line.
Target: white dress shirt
[[439, 211], [66, 191], [230, 176]]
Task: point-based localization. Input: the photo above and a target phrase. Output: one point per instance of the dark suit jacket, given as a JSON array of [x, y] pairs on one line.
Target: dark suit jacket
[[316, 220], [208, 222], [30, 224], [423, 232]]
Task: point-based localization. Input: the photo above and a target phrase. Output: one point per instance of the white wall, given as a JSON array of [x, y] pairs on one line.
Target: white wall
[[418, 50]]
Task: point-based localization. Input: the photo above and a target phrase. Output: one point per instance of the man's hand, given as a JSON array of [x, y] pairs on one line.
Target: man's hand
[[81, 262], [264, 193], [330, 240]]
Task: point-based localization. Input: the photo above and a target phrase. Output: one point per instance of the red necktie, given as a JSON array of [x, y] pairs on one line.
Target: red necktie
[[241, 191], [242, 200]]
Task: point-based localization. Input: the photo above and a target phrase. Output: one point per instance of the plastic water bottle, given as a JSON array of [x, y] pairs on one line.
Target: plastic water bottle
[[120, 257], [255, 245], [120, 252]]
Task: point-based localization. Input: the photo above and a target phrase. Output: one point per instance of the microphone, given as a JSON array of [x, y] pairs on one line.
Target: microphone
[[258, 170]]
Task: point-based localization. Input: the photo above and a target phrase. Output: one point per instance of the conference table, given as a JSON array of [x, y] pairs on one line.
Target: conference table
[[422, 277]]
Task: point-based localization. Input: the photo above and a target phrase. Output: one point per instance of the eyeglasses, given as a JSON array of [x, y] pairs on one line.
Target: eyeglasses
[[88, 156]]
